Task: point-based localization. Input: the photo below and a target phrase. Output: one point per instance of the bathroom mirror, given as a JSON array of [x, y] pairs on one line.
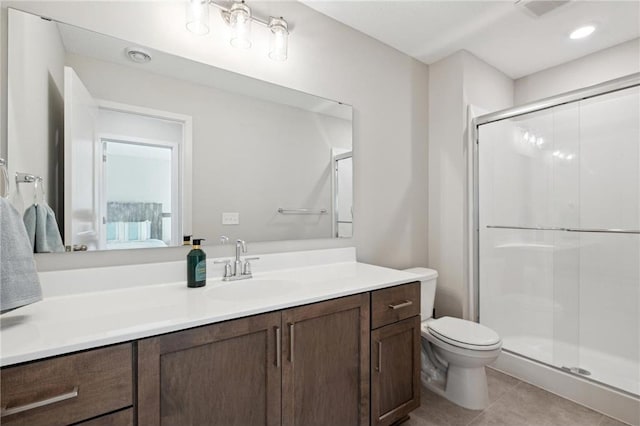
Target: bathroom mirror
[[135, 148]]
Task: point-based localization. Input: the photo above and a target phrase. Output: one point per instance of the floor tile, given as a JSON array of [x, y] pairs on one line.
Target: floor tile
[[501, 417], [442, 412], [529, 405], [608, 421], [499, 384], [512, 403]]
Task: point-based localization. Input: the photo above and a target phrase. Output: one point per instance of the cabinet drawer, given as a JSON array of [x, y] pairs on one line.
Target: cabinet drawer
[[119, 418], [68, 388], [393, 304]]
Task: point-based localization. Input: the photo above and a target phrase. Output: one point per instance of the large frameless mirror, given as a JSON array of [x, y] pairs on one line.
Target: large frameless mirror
[[132, 147]]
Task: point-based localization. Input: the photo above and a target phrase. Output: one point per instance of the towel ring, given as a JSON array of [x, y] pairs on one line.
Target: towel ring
[[38, 180]]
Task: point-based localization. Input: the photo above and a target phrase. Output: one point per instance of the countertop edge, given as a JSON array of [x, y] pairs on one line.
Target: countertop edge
[[12, 360]]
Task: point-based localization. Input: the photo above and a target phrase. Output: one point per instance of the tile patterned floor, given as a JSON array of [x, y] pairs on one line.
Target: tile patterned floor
[[511, 403]]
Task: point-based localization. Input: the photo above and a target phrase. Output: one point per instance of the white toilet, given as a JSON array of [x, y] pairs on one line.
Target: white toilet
[[454, 351]]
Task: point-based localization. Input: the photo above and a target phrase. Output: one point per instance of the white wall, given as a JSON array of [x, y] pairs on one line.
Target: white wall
[[454, 83], [119, 123], [132, 178], [387, 89], [36, 120], [608, 64]]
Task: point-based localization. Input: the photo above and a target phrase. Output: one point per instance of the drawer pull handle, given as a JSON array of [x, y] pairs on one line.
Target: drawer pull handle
[[379, 369], [6, 411], [278, 346], [401, 304], [291, 342]]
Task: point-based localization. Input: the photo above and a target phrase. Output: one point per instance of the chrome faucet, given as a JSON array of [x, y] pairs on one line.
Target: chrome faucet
[[241, 270], [241, 247]]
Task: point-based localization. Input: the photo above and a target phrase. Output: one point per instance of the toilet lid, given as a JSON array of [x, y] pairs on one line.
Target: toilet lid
[[468, 333]]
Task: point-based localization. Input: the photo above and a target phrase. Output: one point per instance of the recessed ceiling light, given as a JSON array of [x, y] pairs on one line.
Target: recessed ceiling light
[[138, 55], [582, 32]]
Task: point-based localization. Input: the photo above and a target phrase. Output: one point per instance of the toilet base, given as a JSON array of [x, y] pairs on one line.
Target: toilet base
[[466, 387]]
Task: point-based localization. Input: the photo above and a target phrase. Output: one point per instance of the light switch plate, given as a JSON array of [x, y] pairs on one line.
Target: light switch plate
[[231, 218]]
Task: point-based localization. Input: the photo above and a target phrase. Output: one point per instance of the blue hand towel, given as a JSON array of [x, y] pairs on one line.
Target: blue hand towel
[[19, 282], [42, 229]]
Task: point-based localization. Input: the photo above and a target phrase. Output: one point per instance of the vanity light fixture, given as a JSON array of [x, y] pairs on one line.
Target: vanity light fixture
[[582, 32], [279, 39], [239, 17], [198, 16]]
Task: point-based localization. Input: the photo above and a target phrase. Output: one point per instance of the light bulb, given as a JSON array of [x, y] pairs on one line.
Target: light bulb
[[240, 23], [582, 32], [198, 16], [279, 42]]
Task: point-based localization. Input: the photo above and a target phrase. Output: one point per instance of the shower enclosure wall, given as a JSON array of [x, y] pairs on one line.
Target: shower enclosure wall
[[558, 222]]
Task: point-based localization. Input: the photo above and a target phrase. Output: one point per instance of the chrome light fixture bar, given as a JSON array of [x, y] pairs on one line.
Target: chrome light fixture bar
[[239, 17]]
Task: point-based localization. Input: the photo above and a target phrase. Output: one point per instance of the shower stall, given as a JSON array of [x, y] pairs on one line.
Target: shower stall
[[557, 244]]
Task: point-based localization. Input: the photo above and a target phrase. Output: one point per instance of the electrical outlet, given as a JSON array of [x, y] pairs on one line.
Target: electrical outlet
[[231, 218]]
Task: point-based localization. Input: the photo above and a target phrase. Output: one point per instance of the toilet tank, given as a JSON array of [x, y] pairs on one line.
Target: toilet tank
[[428, 278]]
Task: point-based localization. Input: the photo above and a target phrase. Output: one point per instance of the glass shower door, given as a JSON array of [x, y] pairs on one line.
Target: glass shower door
[[556, 280], [528, 268], [610, 260]]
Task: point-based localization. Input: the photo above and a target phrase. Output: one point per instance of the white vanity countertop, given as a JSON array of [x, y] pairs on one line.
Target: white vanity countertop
[[69, 323]]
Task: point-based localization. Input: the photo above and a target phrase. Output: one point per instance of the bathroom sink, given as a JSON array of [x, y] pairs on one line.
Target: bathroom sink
[[253, 289]]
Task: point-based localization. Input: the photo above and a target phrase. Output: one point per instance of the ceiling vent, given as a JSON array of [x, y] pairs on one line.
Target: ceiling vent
[[537, 8]]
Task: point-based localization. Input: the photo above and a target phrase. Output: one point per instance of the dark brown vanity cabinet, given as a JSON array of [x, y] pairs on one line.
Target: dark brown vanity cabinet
[[317, 364], [222, 374], [395, 353], [303, 366], [325, 376]]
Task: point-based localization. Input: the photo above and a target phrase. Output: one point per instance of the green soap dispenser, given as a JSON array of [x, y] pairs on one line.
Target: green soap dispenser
[[196, 265]]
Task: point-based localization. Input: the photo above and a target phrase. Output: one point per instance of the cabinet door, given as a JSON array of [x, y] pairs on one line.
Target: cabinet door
[[395, 370], [325, 373], [223, 374]]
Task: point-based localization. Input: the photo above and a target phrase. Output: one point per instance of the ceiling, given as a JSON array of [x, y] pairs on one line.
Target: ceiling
[[106, 48], [501, 33]]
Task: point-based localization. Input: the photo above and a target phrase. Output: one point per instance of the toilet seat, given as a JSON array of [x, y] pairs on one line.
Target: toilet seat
[[463, 334]]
